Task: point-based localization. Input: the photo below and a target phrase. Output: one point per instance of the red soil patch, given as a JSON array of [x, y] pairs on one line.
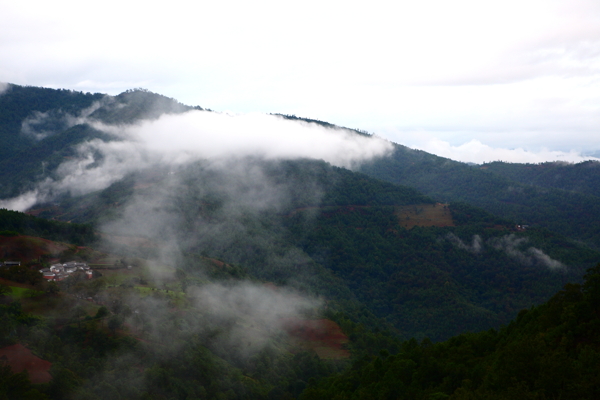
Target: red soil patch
[[323, 336], [27, 248], [19, 358], [217, 263], [424, 215]]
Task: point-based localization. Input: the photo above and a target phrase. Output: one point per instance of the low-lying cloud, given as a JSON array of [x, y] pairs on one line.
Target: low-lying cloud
[[176, 139], [40, 125], [260, 311], [475, 246], [478, 153], [512, 246], [201, 134]]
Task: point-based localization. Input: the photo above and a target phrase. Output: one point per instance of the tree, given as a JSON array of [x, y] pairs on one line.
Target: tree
[[78, 312], [114, 323], [102, 312], [52, 288], [591, 288]]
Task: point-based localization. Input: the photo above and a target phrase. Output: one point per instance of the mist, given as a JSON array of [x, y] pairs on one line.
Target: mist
[[512, 246], [210, 135], [177, 139], [209, 188], [475, 246]]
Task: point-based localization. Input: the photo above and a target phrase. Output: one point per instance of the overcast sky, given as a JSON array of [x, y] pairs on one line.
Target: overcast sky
[[470, 80]]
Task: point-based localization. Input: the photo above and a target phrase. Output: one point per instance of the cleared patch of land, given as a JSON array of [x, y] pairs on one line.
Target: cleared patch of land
[[424, 215], [20, 359], [323, 336], [26, 248]]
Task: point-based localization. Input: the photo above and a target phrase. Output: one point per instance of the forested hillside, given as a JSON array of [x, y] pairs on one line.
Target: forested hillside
[[15, 223], [549, 351], [383, 272], [28, 114], [322, 229], [583, 177], [339, 234], [575, 214]]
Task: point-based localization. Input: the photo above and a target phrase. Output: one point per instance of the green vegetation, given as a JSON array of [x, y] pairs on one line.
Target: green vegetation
[[21, 102], [563, 208], [17, 223], [427, 306], [137, 349], [583, 177], [549, 351]]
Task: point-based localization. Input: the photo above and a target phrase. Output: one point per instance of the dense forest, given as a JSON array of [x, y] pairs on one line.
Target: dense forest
[[411, 276], [583, 177], [341, 235], [14, 222], [561, 208], [550, 351]]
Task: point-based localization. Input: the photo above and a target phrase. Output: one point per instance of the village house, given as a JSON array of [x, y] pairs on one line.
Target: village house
[[59, 272], [49, 275], [10, 264]]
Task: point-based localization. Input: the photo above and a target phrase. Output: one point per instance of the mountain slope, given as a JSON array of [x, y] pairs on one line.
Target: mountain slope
[[28, 114], [573, 214], [550, 351], [582, 177], [340, 235], [304, 223]]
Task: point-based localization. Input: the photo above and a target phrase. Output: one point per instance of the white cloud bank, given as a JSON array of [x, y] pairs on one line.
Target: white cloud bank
[[479, 153], [195, 135], [199, 134]]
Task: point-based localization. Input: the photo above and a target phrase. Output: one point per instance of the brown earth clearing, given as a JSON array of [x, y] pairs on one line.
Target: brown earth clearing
[[20, 359], [323, 336], [28, 248], [424, 215]]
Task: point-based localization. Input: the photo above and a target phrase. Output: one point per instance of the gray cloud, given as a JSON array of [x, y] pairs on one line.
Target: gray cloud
[[545, 259], [475, 246], [512, 246], [40, 125], [260, 312]]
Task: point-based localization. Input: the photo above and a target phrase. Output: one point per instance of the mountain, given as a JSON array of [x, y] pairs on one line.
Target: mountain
[[379, 251], [582, 178], [277, 257], [561, 208]]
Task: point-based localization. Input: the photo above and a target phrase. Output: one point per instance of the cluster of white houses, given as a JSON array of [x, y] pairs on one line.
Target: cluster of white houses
[[58, 272]]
